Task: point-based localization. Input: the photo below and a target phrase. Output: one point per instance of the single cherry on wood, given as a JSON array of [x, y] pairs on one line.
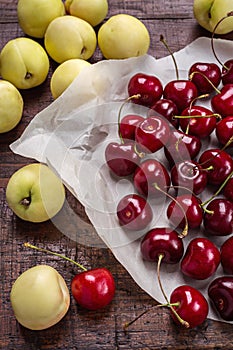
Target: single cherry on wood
[[220, 292]]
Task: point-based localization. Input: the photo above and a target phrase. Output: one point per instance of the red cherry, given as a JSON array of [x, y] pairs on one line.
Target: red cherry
[[149, 173], [190, 176], [152, 134], [227, 256], [181, 92], [93, 289], [211, 71], [191, 207], [218, 220], [192, 305], [181, 147], [134, 212], [220, 292], [227, 72], [122, 158], [167, 109], [221, 163], [228, 190], [162, 240], [224, 130], [128, 125], [201, 259], [200, 127], [148, 87], [222, 102]]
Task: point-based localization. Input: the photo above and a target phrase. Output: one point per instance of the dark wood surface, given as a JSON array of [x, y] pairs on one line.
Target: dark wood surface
[[82, 329]]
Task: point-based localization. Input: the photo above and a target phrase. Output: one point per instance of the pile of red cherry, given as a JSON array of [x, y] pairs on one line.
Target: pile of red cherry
[[177, 124]]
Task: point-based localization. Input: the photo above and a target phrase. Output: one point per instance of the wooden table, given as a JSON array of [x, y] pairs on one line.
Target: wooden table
[[81, 329]]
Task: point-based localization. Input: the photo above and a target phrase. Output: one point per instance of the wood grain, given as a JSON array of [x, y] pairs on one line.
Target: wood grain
[[81, 329]]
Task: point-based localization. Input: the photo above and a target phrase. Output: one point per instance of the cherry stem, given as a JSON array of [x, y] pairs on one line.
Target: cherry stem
[[185, 230], [218, 191], [172, 55], [216, 115], [28, 245], [204, 76], [212, 39], [183, 322], [120, 110]]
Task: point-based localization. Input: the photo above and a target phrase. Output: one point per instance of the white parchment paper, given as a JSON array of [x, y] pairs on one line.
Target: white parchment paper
[[71, 134]]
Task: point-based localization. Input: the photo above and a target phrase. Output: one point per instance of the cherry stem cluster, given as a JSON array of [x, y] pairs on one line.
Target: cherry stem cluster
[[28, 245]]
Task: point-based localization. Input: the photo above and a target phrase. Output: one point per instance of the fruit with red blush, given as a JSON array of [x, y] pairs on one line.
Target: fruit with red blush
[[149, 172], [198, 121], [222, 101], [191, 306], [122, 158], [128, 125], [221, 163], [189, 176], [188, 204], [181, 147], [220, 292], [92, 289], [224, 130], [152, 134], [162, 240], [134, 212], [218, 217], [227, 256], [199, 71], [149, 88], [201, 259], [167, 109]]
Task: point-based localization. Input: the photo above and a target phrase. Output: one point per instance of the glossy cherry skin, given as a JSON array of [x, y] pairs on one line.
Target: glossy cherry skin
[[149, 173], [193, 307], [222, 102], [181, 92], [220, 222], [148, 86], [93, 289], [192, 209], [134, 212], [200, 127], [190, 175], [228, 190], [227, 74], [162, 240], [122, 158], [227, 256], [167, 109], [152, 134], [181, 146], [128, 125], [220, 292], [211, 71], [224, 130], [201, 259], [221, 162]]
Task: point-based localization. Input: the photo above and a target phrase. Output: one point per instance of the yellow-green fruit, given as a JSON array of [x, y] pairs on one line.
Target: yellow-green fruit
[[35, 193], [123, 36], [70, 37], [64, 74], [24, 63], [92, 11], [39, 297], [11, 106], [209, 12], [34, 16]]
